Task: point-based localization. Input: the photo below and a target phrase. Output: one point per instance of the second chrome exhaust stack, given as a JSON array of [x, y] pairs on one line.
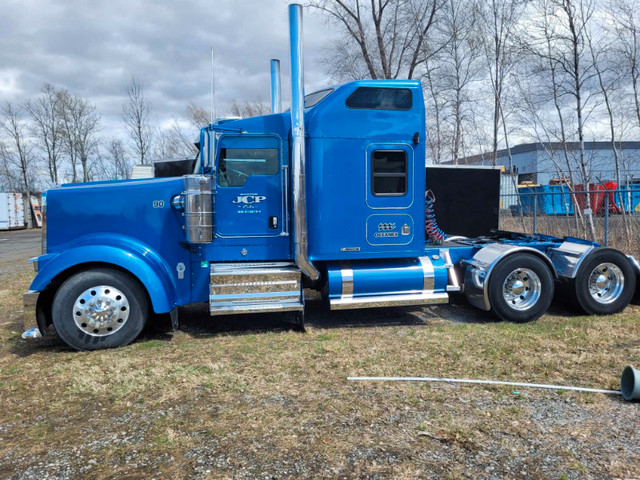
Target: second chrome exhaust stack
[[276, 89]]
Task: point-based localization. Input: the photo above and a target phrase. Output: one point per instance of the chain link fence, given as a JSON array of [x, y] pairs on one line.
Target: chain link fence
[[610, 217]]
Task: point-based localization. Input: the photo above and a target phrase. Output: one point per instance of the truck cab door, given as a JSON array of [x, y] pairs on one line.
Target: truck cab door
[[250, 186]]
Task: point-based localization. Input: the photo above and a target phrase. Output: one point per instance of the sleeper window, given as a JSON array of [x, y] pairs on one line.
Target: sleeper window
[[238, 164], [389, 172], [375, 98]]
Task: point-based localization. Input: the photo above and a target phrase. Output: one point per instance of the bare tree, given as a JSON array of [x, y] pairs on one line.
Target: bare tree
[[625, 16], [573, 19], [135, 114], [65, 106], [16, 152], [555, 40], [173, 142], [48, 127], [9, 178], [459, 67], [81, 123], [118, 166], [248, 109], [389, 35], [605, 68], [434, 105], [197, 116], [499, 18]]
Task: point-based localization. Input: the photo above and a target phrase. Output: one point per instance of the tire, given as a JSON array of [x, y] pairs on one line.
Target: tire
[[527, 300], [99, 308], [605, 283]]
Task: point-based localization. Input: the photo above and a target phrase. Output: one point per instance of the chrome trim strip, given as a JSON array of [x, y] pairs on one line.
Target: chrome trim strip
[[429, 275], [454, 238], [346, 272], [389, 301]]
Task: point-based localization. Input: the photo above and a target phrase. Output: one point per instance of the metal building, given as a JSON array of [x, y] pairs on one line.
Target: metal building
[[541, 163]]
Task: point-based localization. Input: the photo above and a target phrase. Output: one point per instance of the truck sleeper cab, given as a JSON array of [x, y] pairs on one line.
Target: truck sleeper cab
[[329, 196]]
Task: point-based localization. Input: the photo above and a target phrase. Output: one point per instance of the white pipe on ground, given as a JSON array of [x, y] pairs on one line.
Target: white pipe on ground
[[484, 382]]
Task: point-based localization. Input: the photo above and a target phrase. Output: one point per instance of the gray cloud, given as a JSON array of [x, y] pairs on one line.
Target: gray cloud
[[93, 48]]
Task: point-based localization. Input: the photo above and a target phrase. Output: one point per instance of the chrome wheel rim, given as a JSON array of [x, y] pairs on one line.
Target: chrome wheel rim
[[606, 283], [521, 289], [101, 311]]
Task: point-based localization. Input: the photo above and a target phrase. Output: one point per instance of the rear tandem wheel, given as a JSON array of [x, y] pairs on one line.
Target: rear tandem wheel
[[605, 283], [520, 288]]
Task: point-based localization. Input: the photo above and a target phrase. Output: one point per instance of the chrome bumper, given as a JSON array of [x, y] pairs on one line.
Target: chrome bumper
[[29, 302]]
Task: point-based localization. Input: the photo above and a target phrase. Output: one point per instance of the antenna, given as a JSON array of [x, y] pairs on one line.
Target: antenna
[[213, 91]]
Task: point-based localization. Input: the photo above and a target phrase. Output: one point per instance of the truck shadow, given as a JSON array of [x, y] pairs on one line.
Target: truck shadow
[[195, 321]]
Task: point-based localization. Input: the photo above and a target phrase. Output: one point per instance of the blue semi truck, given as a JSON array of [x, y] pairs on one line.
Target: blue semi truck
[[329, 196]]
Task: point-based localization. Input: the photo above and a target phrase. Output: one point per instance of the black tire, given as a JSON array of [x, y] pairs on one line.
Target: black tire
[[64, 304], [579, 286], [501, 307]]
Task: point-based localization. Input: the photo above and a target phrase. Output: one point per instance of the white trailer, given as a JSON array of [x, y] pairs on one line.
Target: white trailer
[[11, 211]]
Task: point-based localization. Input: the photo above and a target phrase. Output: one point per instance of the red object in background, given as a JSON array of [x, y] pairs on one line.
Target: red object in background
[[598, 194]]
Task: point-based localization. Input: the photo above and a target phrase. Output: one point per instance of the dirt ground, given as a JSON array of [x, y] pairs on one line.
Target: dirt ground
[[247, 397]]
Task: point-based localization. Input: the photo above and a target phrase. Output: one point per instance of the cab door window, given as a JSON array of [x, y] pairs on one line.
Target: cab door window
[[236, 165]]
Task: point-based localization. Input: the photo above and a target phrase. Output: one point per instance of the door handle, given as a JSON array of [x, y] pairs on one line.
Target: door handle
[[273, 223]]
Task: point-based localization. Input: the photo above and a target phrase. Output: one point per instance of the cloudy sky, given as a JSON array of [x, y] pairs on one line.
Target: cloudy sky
[[93, 48]]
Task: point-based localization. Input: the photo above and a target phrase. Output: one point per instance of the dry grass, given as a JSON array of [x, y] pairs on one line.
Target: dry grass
[[220, 400]]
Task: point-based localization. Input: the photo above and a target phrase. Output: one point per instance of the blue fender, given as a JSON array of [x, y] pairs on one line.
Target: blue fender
[[124, 252]]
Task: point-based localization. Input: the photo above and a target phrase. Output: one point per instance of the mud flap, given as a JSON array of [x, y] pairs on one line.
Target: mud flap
[[636, 298], [174, 318]]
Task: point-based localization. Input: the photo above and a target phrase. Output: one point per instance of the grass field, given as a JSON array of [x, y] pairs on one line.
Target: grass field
[[248, 398]]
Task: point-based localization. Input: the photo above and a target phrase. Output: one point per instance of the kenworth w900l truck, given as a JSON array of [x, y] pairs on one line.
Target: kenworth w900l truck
[[329, 196]]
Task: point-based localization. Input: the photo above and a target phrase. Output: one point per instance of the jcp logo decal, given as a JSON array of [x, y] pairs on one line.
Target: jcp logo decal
[[249, 199]]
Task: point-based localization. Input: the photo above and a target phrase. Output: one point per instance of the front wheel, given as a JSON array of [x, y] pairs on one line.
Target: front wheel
[[99, 308], [520, 288], [605, 283]]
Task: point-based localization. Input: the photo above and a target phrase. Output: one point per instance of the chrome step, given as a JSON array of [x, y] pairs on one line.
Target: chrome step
[[255, 287]]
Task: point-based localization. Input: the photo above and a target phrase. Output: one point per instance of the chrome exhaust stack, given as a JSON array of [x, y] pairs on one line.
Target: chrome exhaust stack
[[276, 89], [298, 146]]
